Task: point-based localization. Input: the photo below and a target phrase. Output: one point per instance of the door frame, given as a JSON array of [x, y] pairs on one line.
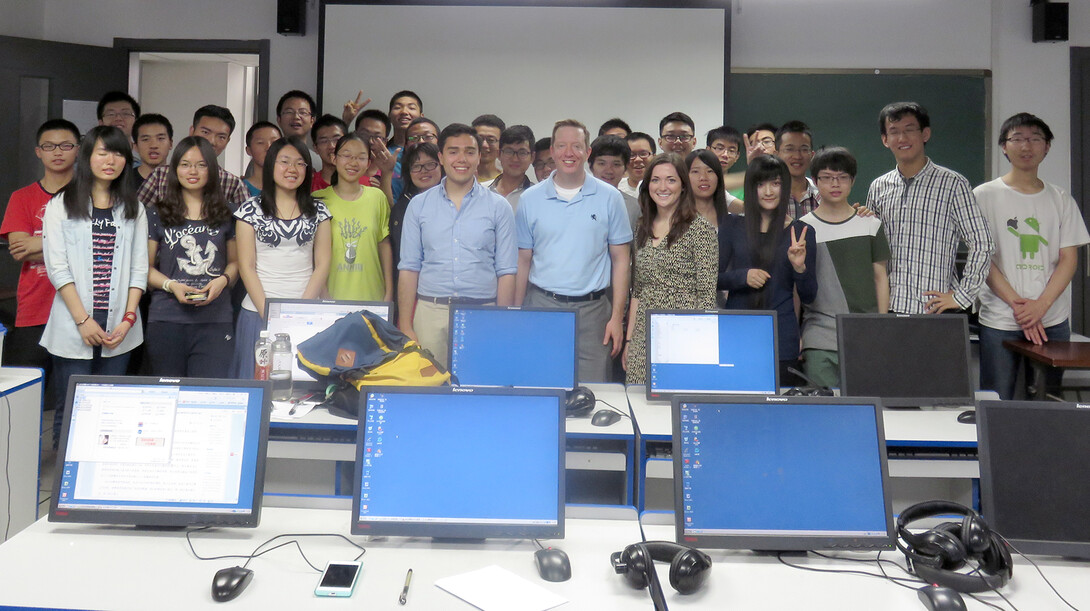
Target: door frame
[[259, 47], [1080, 178]]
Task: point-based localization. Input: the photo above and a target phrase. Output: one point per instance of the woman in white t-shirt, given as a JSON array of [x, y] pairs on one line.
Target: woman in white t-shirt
[[283, 238], [1037, 229]]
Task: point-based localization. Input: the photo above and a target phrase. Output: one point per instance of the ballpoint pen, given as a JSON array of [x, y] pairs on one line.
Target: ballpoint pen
[[405, 590]]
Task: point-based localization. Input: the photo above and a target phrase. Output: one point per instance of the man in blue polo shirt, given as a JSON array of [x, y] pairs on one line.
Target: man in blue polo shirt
[[457, 246], [573, 239]]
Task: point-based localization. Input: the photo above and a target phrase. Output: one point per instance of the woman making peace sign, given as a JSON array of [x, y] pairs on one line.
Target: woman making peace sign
[[764, 262]]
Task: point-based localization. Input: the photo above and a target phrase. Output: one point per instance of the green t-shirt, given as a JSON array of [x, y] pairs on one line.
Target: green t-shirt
[[358, 227]]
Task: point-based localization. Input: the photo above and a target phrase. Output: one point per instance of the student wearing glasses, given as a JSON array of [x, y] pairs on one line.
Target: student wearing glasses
[[362, 262], [489, 128], [58, 145], [642, 148], [1038, 230], [424, 172], [118, 109], [284, 242], [677, 134], [422, 129], [543, 159], [516, 154], [296, 112], [795, 145], [927, 210], [727, 144], [193, 264], [325, 134]]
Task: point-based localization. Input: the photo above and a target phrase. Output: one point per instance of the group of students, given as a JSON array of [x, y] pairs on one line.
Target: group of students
[[313, 218]]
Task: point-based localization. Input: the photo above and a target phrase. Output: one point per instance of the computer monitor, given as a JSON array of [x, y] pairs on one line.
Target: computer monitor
[[162, 452], [1034, 465], [515, 347], [781, 473], [302, 319], [915, 360], [461, 463], [711, 351]]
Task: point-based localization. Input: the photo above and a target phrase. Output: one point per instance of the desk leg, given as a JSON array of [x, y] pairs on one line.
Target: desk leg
[[1040, 381]]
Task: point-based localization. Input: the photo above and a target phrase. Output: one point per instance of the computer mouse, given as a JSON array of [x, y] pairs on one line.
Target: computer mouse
[[939, 598], [230, 582], [967, 417], [552, 564], [604, 417]]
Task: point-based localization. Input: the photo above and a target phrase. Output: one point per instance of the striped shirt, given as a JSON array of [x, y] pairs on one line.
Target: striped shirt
[[155, 187], [925, 217]]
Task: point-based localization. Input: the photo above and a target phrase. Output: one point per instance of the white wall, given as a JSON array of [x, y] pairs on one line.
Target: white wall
[[929, 34], [293, 59], [21, 18]]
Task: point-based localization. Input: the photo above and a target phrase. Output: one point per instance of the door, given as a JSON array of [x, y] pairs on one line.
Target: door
[[36, 77]]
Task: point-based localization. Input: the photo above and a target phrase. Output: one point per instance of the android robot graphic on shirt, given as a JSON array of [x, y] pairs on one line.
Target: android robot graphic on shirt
[[1028, 243]]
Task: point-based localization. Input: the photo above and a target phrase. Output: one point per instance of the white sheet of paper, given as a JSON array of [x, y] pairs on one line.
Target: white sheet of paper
[[282, 409], [497, 589]]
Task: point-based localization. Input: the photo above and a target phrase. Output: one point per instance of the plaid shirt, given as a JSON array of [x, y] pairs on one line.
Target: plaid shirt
[[799, 208], [925, 216], [155, 187]]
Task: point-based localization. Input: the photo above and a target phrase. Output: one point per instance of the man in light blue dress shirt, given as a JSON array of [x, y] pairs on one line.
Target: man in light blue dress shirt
[[573, 239], [457, 246]]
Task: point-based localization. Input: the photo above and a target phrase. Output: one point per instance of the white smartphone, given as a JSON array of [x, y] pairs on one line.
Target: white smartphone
[[338, 579]]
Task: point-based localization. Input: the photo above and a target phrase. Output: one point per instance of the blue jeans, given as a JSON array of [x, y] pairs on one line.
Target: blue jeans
[[999, 366], [65, 368]]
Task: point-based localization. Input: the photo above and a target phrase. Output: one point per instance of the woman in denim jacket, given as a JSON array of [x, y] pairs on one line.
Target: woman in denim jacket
[[95, 246]]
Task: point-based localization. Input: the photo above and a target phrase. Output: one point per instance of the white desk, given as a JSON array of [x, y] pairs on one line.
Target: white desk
[[20, 445], [928, 444], [86, 566], [321, 436], [744, 580]]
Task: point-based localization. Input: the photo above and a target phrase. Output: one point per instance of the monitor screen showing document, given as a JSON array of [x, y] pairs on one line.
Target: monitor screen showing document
[[916, 360], [1034, 464], [162, 452], [693, 351], [517, 347], [302, 319], [460, 463], [781, 473]]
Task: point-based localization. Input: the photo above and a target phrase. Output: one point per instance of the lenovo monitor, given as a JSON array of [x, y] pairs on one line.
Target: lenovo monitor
[[162, 452]]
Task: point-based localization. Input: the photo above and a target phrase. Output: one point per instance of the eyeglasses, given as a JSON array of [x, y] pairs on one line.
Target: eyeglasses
[[287, 163], [840, 179], [1019, 140], [185, 165], [427, 166], [326, 141], [791, 150], [520, 153], [424, 138], [908, 131], [302, 113], [541, 165], [346, 157], [672, 138], [719, 149], [110, 115], [767, 142], [640, 155], [51, 146], [492, 140]]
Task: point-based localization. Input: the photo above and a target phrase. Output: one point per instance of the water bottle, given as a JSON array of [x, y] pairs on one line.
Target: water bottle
[[280, 374], [262, 356]]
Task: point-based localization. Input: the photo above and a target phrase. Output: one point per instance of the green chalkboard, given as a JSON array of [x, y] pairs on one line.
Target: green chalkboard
[[842, 110]]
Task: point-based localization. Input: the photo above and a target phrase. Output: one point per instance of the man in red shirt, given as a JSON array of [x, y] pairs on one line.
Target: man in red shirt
[[58, 144]]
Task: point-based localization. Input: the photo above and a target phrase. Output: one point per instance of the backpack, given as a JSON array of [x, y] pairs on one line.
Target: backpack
[[362, 349]]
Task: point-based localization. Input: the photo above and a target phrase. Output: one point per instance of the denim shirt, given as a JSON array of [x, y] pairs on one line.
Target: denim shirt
[[66, 247]]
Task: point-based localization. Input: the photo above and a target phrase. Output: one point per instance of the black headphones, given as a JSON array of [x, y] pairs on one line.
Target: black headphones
[[579, 402], [688, 565], [937, 554]]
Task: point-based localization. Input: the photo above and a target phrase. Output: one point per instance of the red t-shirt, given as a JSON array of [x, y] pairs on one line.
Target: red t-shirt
[[317, 182], [34, 297]]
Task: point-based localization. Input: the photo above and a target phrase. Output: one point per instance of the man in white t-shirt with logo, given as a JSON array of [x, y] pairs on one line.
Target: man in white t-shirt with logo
[[1037, 229]]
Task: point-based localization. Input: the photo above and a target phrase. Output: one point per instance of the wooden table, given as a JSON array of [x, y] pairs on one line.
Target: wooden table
[[1065, 355]]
